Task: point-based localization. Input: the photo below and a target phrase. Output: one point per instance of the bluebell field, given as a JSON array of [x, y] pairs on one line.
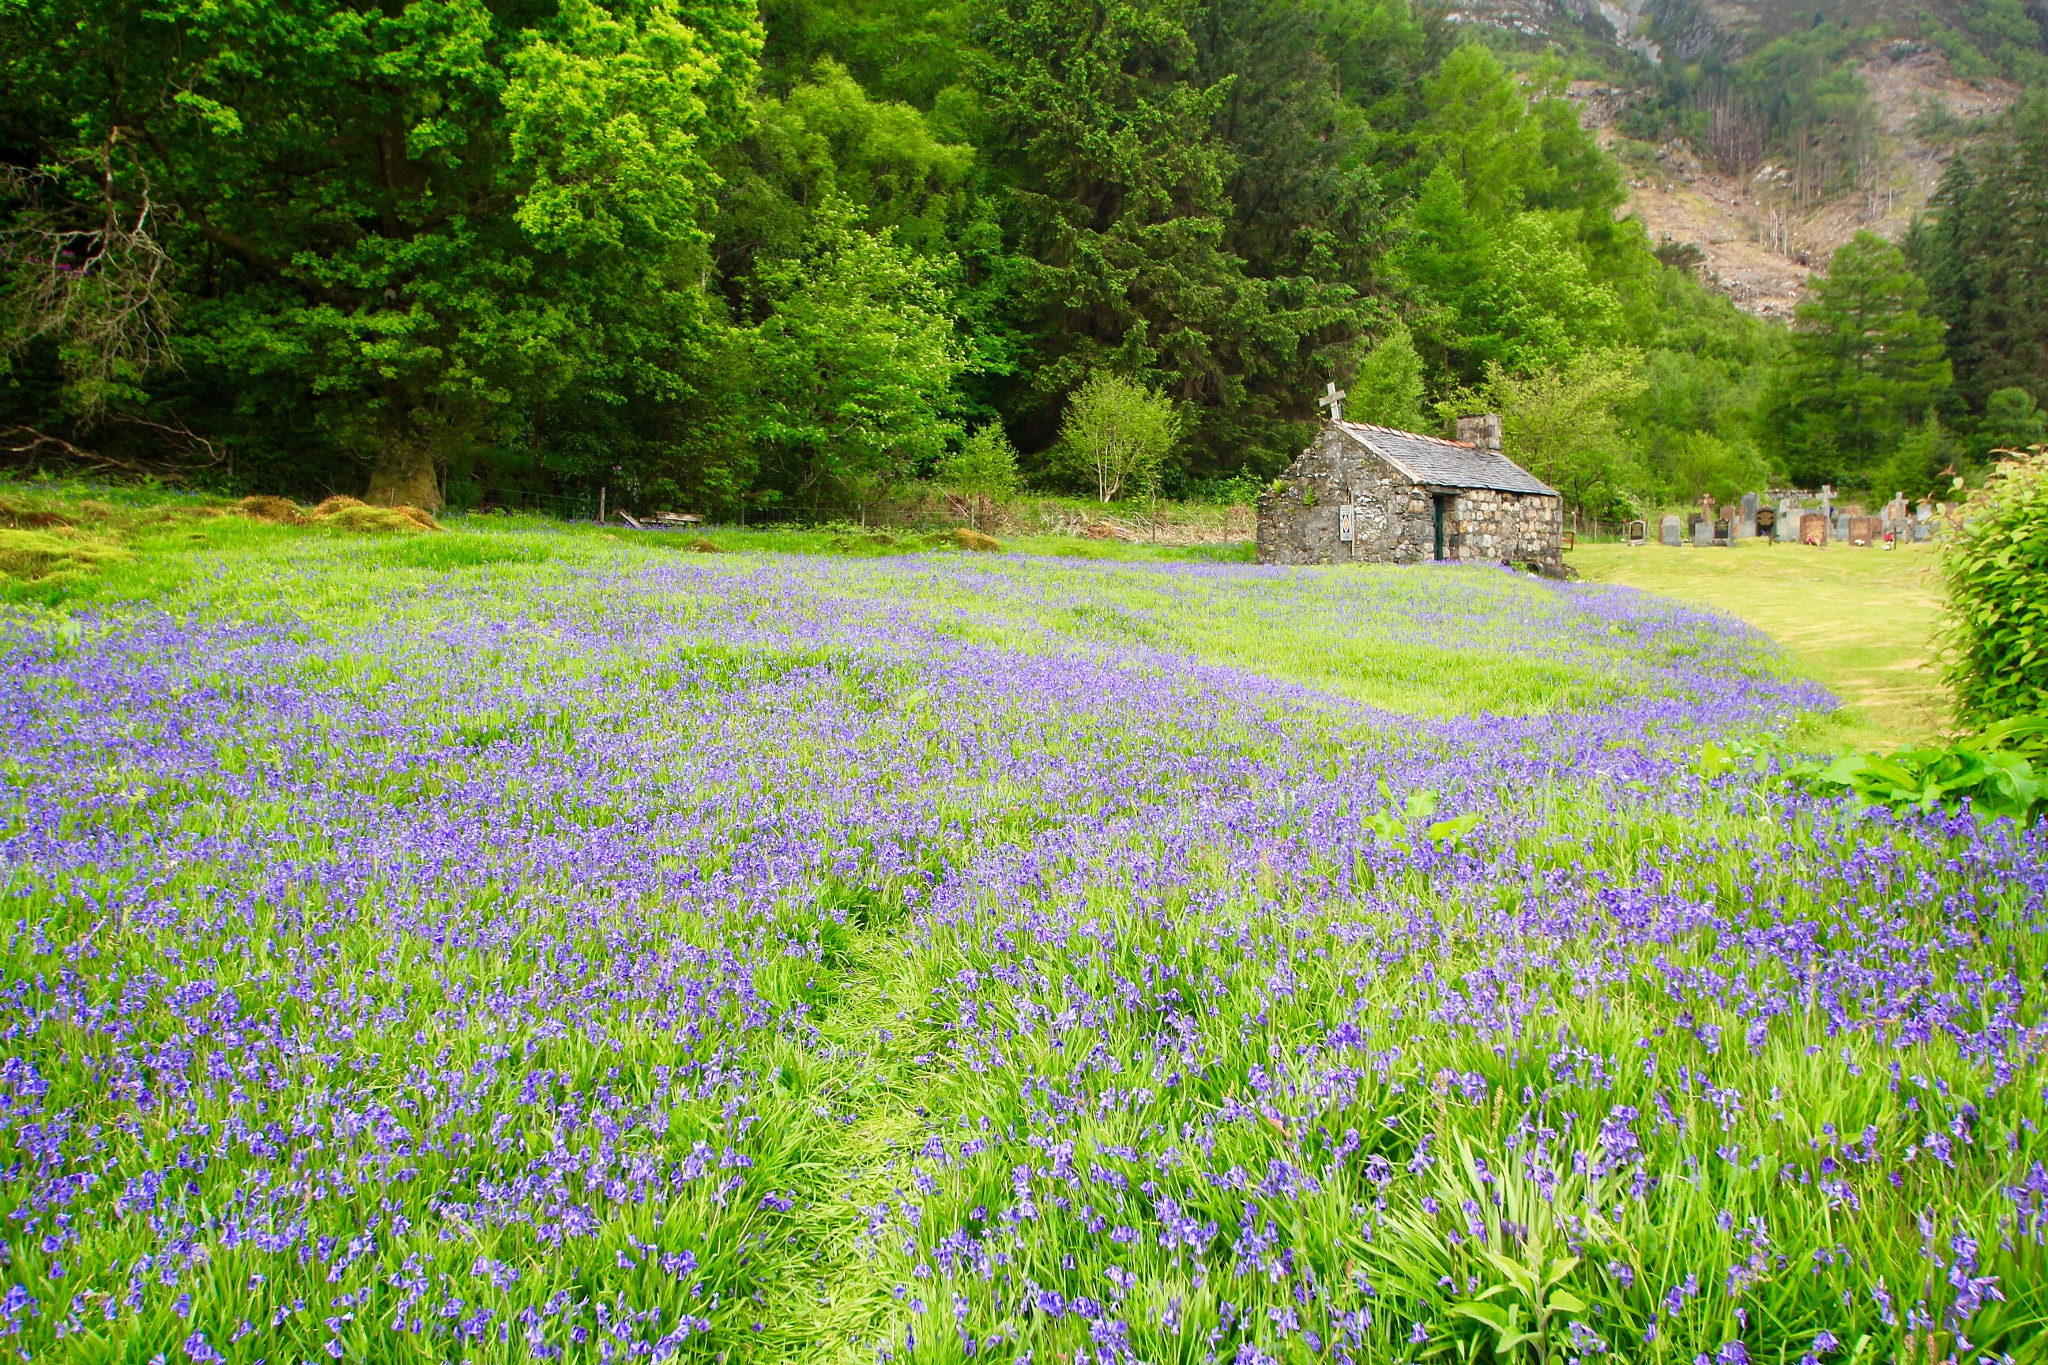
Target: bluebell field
[[579, 954]]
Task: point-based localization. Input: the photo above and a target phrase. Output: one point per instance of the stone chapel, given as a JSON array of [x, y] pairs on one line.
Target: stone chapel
[[1373, 495]]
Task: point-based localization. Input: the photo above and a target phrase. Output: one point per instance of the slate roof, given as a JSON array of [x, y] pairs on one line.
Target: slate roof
[[1446, 464]]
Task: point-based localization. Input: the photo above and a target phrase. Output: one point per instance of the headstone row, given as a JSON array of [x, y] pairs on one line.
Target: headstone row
[[1802, 519]]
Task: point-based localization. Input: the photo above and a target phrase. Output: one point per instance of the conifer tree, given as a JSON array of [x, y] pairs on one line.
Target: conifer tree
[[1985, 257], [1865, 363]]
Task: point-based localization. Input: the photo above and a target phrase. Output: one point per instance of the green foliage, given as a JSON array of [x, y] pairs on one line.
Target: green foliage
[[1923, 465], [1992, 38], [1121, 196], [1563, 424], [827, 141], [1996, 569], [1118, 434], [1985, 257], [462, 209], [1699, 463], [1517, 293], [907, 50], [1865, 362], [857, 362], [1811, 109], [985, 463], [2012, 421], [1994, 772], [1387, 389], [515, 254], [1478, 127]]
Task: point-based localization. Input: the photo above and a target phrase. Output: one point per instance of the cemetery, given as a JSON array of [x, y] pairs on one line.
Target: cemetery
[[1795, 517]]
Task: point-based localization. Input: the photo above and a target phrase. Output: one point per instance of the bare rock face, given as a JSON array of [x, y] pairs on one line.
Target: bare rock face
[[1755, 239]]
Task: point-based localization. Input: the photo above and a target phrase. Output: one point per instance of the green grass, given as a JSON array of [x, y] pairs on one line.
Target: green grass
[[1860, 621], [180, 552]]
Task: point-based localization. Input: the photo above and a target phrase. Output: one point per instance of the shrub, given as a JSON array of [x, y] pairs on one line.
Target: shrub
[[986, 463], [1997, 578], [1994, 771], [1120, 433]]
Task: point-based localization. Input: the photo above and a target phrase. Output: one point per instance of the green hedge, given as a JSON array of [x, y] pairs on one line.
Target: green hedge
[[1997, 572]]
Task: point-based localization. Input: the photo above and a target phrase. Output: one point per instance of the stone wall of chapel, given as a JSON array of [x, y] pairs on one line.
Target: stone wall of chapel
[[1299, 521], [1395, 518], [1515, 528]]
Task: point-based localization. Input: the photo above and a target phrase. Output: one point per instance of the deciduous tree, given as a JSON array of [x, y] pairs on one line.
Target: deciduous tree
[[414, 219]]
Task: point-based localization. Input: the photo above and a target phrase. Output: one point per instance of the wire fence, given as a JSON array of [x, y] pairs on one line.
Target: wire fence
[[587, 504]]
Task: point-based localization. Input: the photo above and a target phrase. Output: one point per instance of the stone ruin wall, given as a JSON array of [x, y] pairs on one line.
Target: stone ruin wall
[[1395, 523]]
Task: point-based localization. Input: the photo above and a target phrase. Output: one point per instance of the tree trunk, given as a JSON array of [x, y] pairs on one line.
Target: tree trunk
[[403, 475]]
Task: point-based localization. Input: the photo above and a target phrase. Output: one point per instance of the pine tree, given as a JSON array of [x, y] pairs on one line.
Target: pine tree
[[1985, 256]]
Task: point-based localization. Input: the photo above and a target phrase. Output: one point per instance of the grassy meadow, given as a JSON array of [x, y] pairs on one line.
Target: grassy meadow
[[1860, 621], [526, 942]]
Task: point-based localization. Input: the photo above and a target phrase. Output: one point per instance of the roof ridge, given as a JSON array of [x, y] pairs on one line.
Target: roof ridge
[[1433, 460], [1411, 435]]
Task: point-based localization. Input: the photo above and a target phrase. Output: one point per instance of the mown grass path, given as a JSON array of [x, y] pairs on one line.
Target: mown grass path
[[1860, 621]]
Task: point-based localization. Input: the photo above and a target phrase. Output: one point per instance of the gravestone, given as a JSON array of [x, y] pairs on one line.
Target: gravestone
[[1788, 521], [1923, 520], [1670, 532], [1745, 520], [1638, 533], [1724, 531], [1839, 528], [1827, 501], [1863, 530], [1813, 528], [1703, 533]]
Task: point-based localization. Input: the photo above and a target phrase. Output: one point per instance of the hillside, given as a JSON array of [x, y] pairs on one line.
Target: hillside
[[1754, 238]]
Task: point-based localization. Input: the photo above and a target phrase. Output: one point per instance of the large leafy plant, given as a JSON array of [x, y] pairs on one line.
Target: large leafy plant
[[1994, 771]]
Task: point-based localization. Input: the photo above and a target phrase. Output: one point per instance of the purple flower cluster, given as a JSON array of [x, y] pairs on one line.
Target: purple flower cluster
[[583, 962]]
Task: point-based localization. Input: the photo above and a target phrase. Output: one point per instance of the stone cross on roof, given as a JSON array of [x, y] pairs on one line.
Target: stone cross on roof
[[1333, 399]]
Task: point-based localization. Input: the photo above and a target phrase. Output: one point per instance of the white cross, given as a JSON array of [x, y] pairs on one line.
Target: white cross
[[1333, 399]]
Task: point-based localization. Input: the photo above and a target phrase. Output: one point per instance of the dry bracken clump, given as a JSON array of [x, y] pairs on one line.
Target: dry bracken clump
[[340, 511], [57, 555], [29, 518], [279, 511]]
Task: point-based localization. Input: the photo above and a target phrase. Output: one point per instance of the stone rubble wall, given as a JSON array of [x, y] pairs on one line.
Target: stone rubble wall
[[1299, 518], [1520, 528]]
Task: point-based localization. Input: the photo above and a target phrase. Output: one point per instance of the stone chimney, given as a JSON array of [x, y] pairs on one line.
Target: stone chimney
[[1483, 431]]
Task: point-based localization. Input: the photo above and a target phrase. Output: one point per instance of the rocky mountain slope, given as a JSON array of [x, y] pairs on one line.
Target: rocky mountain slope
[[1750, 238]]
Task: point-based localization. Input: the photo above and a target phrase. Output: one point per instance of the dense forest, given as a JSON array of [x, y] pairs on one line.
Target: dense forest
[[777, 263]]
